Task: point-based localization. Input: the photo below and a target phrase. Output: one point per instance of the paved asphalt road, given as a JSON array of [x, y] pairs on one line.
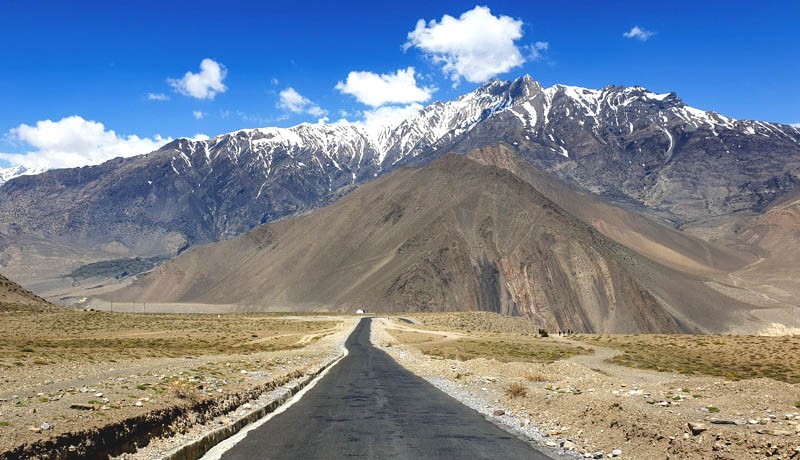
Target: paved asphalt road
[[368, 406]]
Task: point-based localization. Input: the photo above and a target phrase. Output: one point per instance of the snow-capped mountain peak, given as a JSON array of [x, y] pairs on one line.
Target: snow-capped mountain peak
[[6, 174]]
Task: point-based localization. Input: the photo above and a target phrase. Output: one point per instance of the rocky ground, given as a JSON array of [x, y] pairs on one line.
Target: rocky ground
[[590, 408], [182, 397]]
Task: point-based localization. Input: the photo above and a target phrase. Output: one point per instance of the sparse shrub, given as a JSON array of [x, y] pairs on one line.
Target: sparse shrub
[[516, 390], [712, 409], [537, 377], [797, 404], [183, 390]]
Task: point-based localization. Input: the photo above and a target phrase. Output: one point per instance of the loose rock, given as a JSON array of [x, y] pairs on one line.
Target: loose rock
[[697, 427]]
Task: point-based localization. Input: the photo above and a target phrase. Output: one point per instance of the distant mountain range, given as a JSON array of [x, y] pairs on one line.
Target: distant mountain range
[[635, 147], [674, 166]]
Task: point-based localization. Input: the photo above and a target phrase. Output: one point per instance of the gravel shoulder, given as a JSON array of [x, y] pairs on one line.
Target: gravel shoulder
[[586, 407]]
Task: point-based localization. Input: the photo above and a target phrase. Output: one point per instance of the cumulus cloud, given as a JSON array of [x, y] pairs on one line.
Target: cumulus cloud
[[203, 85], [388, 116], [198, 115], [72, 142], [292, 101], [476, 46], [200, 137], [378, 89], [639, 33], [157, 97]]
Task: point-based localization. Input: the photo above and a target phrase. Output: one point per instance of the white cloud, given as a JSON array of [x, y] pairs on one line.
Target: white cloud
[[72, 142], [292, 101], [639, 33], [796, 125], [198, 115], [476, 46], [157, 97], [200, 137], [376, 90], [537, 50], [541, 46], [203, 85], [275, 81], [381, 117]]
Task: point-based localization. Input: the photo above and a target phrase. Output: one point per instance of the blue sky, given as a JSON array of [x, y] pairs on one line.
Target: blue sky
[[99, 62]]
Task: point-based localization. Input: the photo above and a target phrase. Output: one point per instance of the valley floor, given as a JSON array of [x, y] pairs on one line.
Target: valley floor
[[67, 376], [566, 393]]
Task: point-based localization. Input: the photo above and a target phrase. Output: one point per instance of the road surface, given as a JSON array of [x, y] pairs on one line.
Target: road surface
[[370, 407]]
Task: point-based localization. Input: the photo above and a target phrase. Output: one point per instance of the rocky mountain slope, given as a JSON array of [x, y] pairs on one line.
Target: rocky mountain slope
[[660, 242], [454, 235], [650, 151]]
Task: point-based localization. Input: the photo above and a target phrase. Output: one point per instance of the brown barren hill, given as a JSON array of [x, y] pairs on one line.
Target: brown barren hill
[[455, 235], [14, 297]]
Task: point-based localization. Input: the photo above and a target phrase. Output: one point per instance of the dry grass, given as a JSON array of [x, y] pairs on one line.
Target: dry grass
[[184, 390], [504, 350], [491, 336], [412, 337], [538, 377], [516, 390], [28, 338], [732, 357], [476, 321]]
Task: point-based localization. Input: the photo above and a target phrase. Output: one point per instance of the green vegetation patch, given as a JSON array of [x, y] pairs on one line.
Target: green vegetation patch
[[117, 268]]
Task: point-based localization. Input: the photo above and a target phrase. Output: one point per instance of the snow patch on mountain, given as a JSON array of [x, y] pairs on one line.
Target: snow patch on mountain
[[6, 174]]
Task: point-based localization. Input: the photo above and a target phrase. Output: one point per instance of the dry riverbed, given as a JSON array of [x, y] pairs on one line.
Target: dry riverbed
[[67, 378], [572, 396]]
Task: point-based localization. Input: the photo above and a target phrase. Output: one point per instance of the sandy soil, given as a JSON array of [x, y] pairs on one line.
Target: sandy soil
[[592, 408]]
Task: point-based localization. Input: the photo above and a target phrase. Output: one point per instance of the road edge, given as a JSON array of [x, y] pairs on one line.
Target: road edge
[[199, 448]]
